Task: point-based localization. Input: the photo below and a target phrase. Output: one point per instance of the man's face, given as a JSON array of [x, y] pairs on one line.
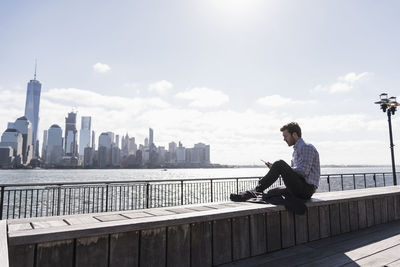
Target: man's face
[[289, 139]]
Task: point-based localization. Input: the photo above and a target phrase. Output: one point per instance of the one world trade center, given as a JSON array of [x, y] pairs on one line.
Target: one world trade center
[[32, 109]]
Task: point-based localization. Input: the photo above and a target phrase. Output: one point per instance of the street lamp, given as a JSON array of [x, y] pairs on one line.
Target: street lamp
[[389, 105]]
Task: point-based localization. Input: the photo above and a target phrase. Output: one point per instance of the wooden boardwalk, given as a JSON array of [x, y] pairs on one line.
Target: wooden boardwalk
[[375, 246], [352, 227]]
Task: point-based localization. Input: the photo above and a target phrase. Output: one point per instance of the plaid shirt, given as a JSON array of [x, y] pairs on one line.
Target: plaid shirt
[[305, 161]]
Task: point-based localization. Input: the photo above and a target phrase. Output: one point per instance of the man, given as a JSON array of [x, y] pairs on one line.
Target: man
[[301, 178]]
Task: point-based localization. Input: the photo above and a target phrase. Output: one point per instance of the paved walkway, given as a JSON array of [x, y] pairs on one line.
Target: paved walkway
[[375, 246]]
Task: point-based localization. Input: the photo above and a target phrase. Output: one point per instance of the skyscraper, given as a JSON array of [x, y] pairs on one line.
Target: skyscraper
[[32, 109], [151, 136], [24, 126], [70, 135], [54, 150], [84, 135]]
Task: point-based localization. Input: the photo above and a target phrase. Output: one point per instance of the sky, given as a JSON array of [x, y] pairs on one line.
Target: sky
[[228, 73]]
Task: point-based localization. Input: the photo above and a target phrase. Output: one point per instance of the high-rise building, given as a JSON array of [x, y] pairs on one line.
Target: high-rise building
[[151, 137], [180, 154], [200, 154], [132, 146], [70, 146], [24, 126], [117, 140], [105, 149], [44, 146], [12, 138], [84, 135], [32, 109], [54, 149], [93, 140], [172, 152]]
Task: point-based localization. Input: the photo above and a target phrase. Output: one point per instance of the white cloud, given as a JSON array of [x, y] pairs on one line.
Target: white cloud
[[160, 87], [278, 101], [203, 97], [343, 84], [101, 67]]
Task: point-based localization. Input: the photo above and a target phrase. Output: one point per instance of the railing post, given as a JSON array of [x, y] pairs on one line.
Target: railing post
[[147, 195], [59, 200], [182, 192], [1, 202], [237, 185], [365, 182], [211, 187], [341, 178], [107, 197], [329, 183]]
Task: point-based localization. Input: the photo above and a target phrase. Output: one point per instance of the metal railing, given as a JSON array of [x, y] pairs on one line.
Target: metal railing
[[44, 199]]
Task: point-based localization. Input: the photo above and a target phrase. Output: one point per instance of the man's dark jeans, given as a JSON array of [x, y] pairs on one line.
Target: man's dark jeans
[[294, 182]]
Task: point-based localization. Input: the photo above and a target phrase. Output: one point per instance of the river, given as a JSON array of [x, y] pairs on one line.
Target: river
[[79, 175]]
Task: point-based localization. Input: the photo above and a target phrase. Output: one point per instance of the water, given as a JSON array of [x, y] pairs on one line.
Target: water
[[79, 175]]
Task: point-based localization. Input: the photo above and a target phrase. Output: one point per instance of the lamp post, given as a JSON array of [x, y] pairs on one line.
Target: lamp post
[[389, 105]]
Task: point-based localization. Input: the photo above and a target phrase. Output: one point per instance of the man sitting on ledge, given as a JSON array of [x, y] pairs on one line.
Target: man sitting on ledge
[[301, 179]]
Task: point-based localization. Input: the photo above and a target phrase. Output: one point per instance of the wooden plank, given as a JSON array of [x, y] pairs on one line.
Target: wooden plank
[[19, 227], [313, 223], [124, 249], [377, 211], [273, 231], [159, 212], [112, 217], [394, 263], [344, 217], [178, 246], [153, 247], [381, 258], [391, 208], [287, 226], [240, 238], [222, 241], [362, 214], [180, 210], [21, 255], [324, 221], [136, 214], [397, 207], [384, 209], [48, 224], [3, 244], [369, 207], [334, 215], [57, 253], [201, 244], [81, 220], [92, 251], [353, 215], [201, 208], [301, 228], [258, 234]]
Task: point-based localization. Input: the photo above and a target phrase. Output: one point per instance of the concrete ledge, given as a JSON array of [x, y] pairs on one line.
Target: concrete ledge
[[214, 233]]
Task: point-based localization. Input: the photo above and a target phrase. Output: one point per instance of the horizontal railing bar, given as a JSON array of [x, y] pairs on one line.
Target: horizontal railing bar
[[166, 181]]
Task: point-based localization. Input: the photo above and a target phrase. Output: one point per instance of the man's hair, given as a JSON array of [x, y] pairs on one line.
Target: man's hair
[[292, 127]]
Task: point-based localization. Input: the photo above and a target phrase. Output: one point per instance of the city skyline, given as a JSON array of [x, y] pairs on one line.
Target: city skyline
[[230, 76]]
